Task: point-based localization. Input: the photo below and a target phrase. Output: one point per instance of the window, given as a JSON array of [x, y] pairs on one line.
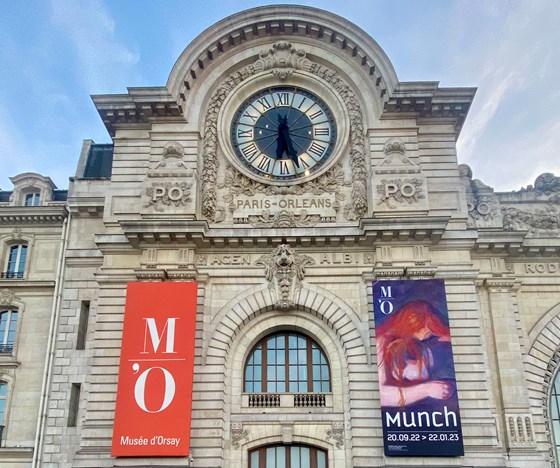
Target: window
[[8, 326], [288, 456], [287, 362], [74, 404], [82, 325], [32, 199], [3, 395], [16, 261]]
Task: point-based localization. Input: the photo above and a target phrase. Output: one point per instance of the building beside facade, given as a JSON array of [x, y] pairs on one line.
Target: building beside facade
[[284, 169]]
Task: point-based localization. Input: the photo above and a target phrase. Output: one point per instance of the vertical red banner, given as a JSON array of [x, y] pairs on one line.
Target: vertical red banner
[[154, 395]]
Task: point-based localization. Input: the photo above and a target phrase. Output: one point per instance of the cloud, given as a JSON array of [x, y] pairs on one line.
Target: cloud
[[105, 62], [514, 113]]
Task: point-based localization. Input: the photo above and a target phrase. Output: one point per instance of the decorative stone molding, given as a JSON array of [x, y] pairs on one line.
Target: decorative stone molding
[[483, 205], [548, 382], [388, 272], [238, 184], [238, 433], [396, 161], [547, 184], [165, 194], [7, 297], [181, 274], [357, 207], [520, 430], [287, 59], [284, 270], [17, 233], [500, 284], [336, 434], [151, 274], [400, 191], [282, 59], [547, 219], [284, 219], [171, 163]]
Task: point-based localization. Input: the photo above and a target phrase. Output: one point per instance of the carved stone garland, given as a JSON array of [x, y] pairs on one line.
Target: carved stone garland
[[283, 59]]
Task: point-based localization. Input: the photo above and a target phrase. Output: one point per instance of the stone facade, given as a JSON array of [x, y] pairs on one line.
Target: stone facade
[[391, 203]]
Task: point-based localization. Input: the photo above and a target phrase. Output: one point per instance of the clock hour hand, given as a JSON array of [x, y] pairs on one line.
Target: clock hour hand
[[284, 142]]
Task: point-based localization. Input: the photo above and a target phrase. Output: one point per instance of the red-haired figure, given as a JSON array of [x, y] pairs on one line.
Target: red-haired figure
[[406, 360]]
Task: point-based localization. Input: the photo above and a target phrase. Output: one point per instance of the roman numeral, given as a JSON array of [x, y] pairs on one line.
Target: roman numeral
[[301, 103], [283, 167], [246, 114], [283, 99], [316, 114], [264, 102], [317, 149], [244, 133], [250, 151], [263, 163], [321, 131]]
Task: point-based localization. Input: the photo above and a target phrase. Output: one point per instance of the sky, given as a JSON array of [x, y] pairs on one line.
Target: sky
[[54, 54]]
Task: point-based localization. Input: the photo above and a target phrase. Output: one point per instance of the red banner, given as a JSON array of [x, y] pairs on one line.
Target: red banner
[[154, 395]]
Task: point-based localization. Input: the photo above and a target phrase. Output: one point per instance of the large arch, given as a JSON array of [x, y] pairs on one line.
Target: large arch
[[248, 28], [543, 362], [334, 312]]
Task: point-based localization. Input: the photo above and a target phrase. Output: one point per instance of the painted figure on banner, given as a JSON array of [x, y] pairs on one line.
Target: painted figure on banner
[[410, 341]]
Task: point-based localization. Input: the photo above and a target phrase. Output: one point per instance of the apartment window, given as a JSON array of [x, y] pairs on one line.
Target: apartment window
[[74, 404], [16, 262], [288, 456], [287, 362], [8, 327], [32, 199], [82, 325]]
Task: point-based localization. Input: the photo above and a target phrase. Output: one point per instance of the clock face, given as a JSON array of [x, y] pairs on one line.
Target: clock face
[[283, 133]]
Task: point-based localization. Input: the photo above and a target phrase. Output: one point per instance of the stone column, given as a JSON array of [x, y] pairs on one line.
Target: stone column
[[513, 388]]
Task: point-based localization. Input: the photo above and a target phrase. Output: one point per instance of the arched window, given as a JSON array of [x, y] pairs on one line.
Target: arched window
[[32, 199], [16, 261], [8, 327], [288, 456], [287, 362], [555, 413]]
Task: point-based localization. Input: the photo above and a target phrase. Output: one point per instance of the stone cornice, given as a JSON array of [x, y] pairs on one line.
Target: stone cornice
[[427, 100], [199, 233], [33, 215], [138, 107], [516, 243]]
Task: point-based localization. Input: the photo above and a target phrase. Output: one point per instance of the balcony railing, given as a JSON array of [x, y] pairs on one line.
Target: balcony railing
[[264, 400], [11, 275], [286, 400], [6, 348]]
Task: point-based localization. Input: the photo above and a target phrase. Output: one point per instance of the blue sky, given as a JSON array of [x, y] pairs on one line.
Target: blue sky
[[55, 53]]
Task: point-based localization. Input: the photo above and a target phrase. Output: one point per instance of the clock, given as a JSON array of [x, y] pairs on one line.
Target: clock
[[283, 133]]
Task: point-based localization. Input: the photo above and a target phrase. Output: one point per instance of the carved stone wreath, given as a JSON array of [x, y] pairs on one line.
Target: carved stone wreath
[[283, 59]]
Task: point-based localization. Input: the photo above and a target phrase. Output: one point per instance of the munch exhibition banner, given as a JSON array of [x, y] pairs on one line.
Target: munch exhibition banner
[[418, 391], [154, 394]]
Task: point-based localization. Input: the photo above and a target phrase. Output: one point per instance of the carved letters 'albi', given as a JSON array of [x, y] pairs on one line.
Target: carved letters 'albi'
[[282, 60]]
